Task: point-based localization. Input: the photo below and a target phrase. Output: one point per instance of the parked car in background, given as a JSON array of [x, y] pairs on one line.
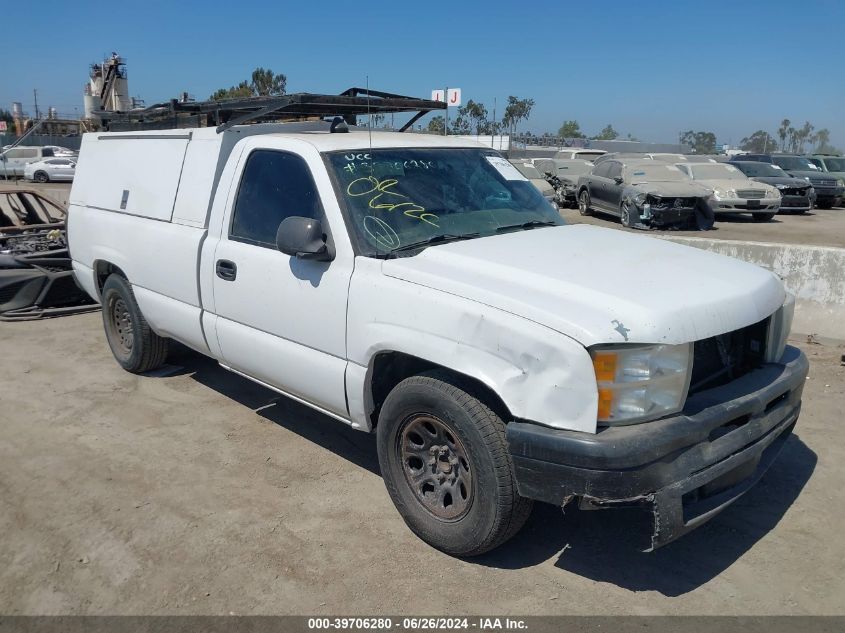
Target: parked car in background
[[796, 194], [51, 169], [829, 189], [733, 191], [528, 170], [645, 194], [581, 153], [58, 150], [563, 175], [14, 160], [833, 165]]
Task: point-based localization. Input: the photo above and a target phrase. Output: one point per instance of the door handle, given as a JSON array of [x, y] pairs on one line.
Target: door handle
[[226, 270]]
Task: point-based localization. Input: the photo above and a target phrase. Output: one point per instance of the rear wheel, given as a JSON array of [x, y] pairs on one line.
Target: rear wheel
[[446, 466], [135, 346], [584, 202], [41, 176], [762, 217]]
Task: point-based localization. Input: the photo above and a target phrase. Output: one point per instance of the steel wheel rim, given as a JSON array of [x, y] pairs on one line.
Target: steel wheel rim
[[120, 322], [626, 214], [436, 467]]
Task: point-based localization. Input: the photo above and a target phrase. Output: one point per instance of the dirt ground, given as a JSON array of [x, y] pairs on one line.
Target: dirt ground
[[194, 491]]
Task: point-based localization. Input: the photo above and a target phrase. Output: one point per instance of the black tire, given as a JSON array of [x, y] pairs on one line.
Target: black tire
[[625, 214], [135, 346], [469, 440], [584, 202], [762, 217], [41, 176]]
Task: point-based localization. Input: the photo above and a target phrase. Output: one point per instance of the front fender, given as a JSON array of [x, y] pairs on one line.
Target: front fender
[[539, 374]]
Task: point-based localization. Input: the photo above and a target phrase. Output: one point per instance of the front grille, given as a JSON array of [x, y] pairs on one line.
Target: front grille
[[823, 182], [720, 359], [751, 194], [794, 191]]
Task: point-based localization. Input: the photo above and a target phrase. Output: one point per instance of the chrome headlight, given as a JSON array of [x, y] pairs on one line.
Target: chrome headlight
[[782, 186], [641, 382], [840, 182], [774, 193], [779, 326]]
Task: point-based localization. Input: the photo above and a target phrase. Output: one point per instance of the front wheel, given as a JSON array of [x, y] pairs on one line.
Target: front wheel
[[41, 176], [762, 217], [446, 466], [134, 344], [625, 215], [584, 202]]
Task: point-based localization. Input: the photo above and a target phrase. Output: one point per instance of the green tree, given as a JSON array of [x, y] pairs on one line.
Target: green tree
[[803, 135], [264, 83], [473, 117], [570, 129], [435, 126], [700, 142], [607, 134], [516, 111], [761, 142]]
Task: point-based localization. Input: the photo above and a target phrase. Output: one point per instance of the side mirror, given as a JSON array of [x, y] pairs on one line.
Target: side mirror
[[618, 180], [303, 238]]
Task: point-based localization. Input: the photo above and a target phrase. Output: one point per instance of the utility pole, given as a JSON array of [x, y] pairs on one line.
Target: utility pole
[[35, 96], [446, 112]]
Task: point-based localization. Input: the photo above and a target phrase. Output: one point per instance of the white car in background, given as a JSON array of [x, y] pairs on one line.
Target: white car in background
[[733, 191], [51, 169]]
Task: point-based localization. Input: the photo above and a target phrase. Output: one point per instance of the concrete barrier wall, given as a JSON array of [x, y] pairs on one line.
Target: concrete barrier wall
[[814, 274]]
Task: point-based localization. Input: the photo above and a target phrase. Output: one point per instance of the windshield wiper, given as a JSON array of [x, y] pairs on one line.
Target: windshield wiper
[[526, 225], [437, 239]]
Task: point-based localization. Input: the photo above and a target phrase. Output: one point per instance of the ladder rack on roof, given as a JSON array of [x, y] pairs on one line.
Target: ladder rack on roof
[[224, 114]]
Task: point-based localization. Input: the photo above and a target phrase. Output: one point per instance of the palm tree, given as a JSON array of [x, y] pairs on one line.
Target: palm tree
[[822, 139], [782, 132]]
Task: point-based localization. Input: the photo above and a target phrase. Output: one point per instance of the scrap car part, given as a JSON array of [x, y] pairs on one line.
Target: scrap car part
[[36, 274]]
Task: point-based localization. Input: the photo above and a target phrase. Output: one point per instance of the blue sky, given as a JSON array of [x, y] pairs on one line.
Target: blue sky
[[650, 68]]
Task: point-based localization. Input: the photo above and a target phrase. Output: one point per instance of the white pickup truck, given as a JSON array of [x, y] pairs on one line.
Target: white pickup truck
[[420, 288]]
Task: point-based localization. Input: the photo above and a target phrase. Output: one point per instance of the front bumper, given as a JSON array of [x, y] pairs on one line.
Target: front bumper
[[742, 205], [828, 194], [688, 467], [796, 203]]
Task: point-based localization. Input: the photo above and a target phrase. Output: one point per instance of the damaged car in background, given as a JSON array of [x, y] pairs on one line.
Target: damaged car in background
[[796, 194], [563, 175], [645, 194], [36, 279]]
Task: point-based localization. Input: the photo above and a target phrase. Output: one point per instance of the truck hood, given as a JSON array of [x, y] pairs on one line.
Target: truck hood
[[599, 285]]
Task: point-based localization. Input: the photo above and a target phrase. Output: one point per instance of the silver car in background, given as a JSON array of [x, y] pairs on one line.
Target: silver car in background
[[51, 170], [733, 191]]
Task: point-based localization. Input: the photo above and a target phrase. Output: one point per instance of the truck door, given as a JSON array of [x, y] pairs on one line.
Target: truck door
[[280, 319]]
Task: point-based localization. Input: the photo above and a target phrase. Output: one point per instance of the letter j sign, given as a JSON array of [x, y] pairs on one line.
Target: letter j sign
[[453, 96]]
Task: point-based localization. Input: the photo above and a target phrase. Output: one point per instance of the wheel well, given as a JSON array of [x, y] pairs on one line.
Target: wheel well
[[102, 270], [390, 368]]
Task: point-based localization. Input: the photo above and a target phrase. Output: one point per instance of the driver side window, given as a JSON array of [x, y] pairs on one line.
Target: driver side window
[[274, 186], [615, 170]]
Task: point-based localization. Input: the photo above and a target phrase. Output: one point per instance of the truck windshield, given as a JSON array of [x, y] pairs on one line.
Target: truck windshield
[[398, 197]]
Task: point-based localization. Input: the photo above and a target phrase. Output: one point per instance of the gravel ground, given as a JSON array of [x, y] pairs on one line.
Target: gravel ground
[[197, 492]]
